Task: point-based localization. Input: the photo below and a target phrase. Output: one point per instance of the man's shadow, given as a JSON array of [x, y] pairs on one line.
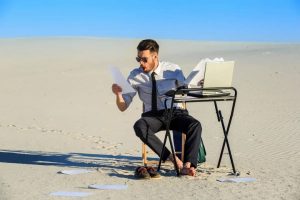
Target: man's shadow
[[99, 161]]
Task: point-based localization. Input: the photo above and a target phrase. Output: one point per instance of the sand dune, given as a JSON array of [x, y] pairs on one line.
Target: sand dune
[[58, 112]]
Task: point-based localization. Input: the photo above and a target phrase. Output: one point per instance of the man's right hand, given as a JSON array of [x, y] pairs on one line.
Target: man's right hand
[[116, 89]]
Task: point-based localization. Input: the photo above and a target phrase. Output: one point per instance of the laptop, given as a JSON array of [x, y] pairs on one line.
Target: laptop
[[216, 74]]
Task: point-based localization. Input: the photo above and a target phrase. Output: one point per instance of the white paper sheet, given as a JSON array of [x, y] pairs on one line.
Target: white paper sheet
[[108, 187], [236, 180], [75, 171], [120, 80], [70, 194]]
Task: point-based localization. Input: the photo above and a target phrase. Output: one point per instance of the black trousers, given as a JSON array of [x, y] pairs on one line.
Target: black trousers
[[151, 123]]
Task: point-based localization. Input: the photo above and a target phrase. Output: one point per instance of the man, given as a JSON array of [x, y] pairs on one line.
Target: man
[[151, 80]]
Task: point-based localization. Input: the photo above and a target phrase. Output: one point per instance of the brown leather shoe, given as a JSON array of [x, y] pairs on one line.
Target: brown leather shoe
[[142, 173], [153, 173]]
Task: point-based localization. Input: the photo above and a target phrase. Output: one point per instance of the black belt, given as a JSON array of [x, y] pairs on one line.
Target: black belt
[[160, 113]]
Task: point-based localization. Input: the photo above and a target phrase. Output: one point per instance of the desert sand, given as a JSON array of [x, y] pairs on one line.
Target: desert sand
[[57, 112]]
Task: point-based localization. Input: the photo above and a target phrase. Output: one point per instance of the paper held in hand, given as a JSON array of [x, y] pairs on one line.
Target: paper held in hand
[[120, 80]]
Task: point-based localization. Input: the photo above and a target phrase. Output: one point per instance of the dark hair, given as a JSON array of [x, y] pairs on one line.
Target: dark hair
[[148, 44]]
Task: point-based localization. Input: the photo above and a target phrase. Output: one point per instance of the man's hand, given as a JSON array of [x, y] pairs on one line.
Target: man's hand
[[116, 89], [201, 82]]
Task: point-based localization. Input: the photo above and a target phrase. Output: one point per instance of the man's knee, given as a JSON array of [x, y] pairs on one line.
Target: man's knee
[[197, 126], [139, 128]]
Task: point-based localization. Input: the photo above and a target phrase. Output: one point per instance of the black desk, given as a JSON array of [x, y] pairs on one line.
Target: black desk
[[191, 95]]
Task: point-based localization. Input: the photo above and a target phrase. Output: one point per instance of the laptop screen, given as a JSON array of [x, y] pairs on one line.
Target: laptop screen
[[218, 74]]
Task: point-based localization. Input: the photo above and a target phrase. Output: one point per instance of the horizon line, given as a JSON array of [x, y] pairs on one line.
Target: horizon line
[[139, 38]]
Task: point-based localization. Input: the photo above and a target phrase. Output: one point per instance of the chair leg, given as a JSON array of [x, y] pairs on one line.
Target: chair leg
[[144, 150], [183, 138], [145, 160], [144, 154]]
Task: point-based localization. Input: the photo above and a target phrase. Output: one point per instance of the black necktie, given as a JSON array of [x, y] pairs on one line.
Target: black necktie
[[154, 96]]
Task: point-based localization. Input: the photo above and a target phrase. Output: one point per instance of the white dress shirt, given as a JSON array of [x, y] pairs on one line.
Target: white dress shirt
[[168, 76]]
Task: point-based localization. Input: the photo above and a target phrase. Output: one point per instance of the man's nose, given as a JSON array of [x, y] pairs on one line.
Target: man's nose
[[141, 61]]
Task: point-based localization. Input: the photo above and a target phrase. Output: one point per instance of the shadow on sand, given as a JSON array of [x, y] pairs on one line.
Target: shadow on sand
[[99, 161]]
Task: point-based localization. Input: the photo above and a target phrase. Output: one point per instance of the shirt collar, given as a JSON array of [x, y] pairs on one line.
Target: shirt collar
[[158, 69]]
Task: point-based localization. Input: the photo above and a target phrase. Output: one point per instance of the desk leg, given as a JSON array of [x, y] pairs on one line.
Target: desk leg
[[217, 110], [173, 153], [227, 143], [168, 136], [162, 152], [220, 118]]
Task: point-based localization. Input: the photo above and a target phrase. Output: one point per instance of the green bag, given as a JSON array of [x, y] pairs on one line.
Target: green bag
[[201, 153]]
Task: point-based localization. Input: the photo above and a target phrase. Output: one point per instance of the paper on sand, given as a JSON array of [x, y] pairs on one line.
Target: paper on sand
[[70, 194], [108, 187], [75, 171], [120, 80], [236, 180]]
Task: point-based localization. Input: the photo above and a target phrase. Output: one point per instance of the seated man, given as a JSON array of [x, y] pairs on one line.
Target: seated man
[[151, 80]]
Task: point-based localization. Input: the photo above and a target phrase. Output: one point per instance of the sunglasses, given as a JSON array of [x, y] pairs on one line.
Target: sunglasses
[[143, 59]]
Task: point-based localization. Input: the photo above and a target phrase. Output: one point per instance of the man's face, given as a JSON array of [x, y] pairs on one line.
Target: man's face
[[148, 61]]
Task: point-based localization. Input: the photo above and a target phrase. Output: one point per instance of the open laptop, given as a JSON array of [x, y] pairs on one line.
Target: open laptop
[[216, 74]]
